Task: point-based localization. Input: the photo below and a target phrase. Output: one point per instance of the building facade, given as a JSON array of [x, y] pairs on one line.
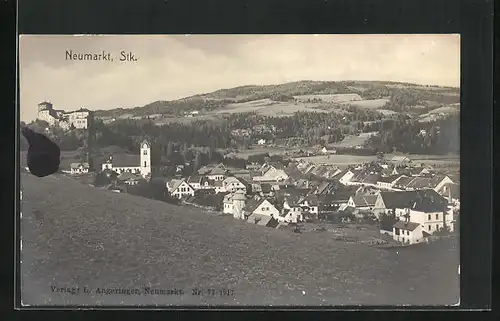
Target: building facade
[[132, 163], [78, 119]]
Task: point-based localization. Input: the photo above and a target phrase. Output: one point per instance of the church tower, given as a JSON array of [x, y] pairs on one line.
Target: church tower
[[145, 164]]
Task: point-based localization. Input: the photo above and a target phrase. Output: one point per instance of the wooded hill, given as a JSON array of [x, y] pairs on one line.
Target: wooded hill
[[402, 94]]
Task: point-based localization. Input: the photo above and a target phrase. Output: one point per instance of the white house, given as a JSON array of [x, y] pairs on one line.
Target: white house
[[362, 202], [79, 168], [345, 176], [310, 203], [387, 182], [435, 182], [425, 207], [179, 188], [234, 204], [232, 184], [293, 215], [325, 150], [137, 164], [261, 206], [452, 193], [214, 172], [272, 174], [261, 142], [78, 118], [292, 210], [196, 182], [407, 232]]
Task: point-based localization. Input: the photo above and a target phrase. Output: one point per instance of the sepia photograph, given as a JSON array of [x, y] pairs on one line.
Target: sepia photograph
[[239, 170]]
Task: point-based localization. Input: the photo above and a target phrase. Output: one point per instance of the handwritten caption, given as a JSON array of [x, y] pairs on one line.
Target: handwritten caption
[[142, 291]]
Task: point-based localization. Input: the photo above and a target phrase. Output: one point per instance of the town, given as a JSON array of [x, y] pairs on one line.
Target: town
[[408, 201], [296, 172]]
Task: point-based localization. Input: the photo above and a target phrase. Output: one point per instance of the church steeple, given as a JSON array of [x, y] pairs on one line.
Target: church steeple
[[145, 151]]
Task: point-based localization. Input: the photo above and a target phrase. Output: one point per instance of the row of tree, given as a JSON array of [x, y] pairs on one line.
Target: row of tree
[[407, 136]]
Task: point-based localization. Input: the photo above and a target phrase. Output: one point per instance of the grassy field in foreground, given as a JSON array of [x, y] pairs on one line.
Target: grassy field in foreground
[[76, 235]]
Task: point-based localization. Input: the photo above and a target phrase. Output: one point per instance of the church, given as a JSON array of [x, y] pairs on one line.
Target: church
[[136, 164]]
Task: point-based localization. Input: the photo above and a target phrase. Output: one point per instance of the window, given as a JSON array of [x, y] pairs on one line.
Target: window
[[145, 152], [396, 230], [437, 227], [407, 232], [145, 164], [429, 217], [429, 227], [437, 216]]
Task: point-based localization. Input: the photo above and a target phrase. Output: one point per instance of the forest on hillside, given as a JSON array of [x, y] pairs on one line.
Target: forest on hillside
[[304, 129], [401, 95]]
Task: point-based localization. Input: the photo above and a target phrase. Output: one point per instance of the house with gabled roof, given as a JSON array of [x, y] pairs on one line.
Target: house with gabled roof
[[214, 172], [407, 232], [332, 171], [425, 207], [364, 178], [399, 160], [79, 168], [233, 184], [234, 204], [294, 173], [310, 204], [195, 181], [263, 220], [129, 178], [303, 183], [291, 215], [387, 182], [179, 188], [272, 174], [452, 193], [344, 176], [326, 188], [435, 182], [260, 206], [362, 202]]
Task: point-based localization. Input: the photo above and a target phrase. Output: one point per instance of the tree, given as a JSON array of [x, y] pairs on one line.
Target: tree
[[197, 161], [170, 149], [387, 220], [101, 179]]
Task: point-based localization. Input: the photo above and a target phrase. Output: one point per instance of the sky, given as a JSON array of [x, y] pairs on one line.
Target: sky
[[170, 67]]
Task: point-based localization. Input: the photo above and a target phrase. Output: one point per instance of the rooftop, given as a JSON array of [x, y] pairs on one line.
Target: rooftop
[[425, 200], [407, 226]]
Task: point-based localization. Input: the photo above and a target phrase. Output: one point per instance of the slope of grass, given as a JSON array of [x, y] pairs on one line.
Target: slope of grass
[[75, 235]]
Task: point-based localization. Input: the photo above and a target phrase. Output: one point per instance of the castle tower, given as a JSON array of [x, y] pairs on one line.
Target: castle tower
[[44, 106], [145, 164]]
